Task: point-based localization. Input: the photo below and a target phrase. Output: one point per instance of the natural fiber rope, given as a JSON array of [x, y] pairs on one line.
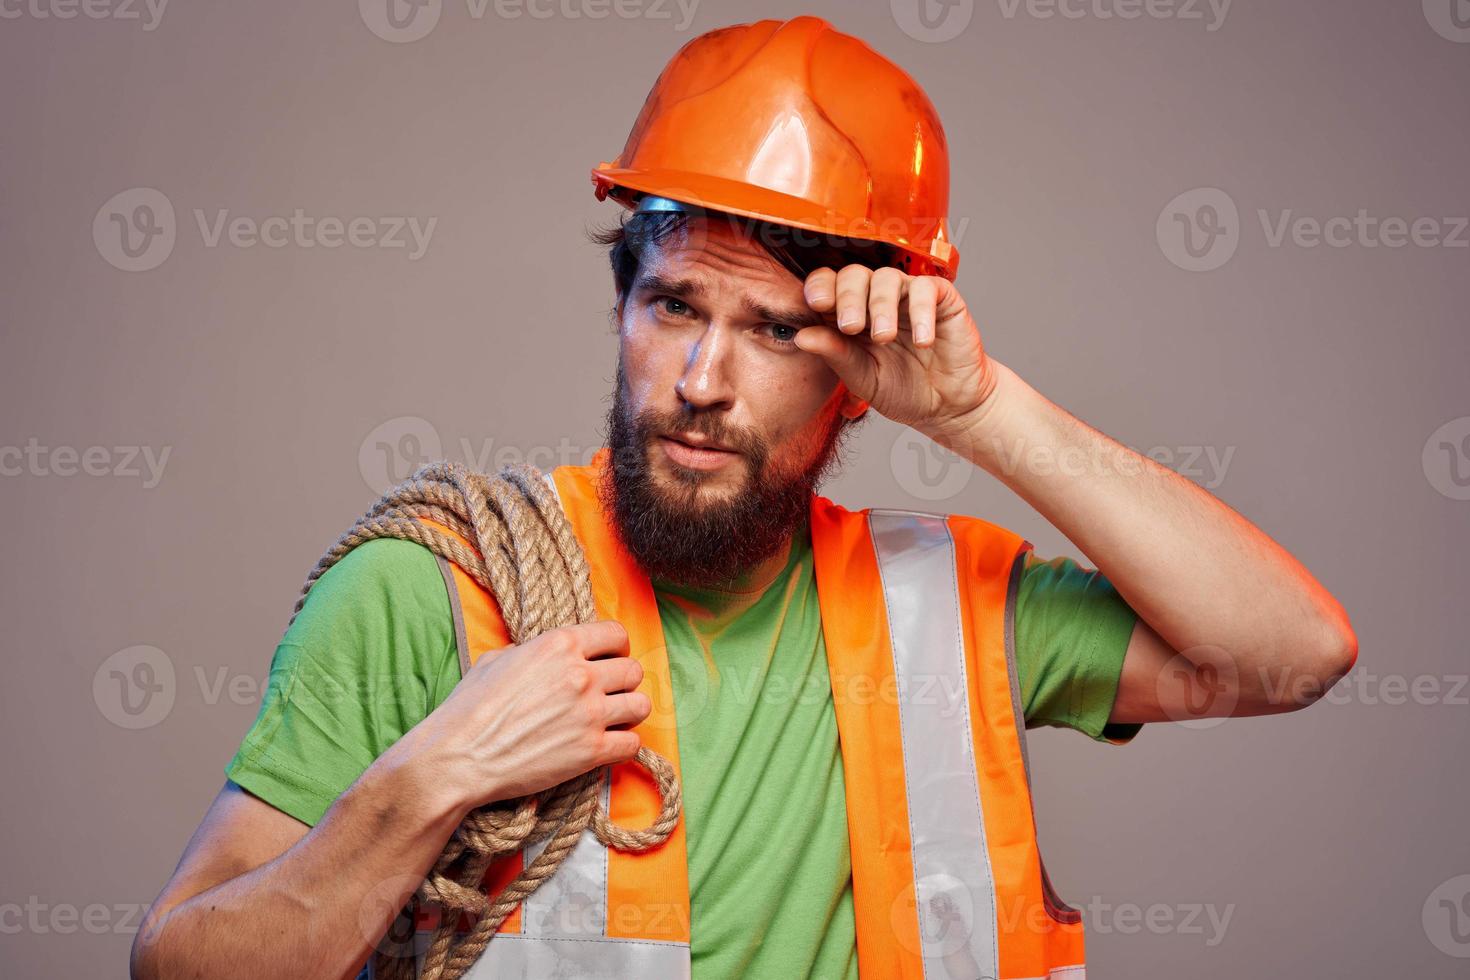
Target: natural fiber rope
[[526, 555]]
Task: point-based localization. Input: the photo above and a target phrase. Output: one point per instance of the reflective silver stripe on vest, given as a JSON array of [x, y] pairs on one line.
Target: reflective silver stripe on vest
[[955, 891], [573, 902], [564, 923], [523, 958]]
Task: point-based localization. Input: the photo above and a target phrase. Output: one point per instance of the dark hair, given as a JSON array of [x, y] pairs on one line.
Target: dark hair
[[801, 252]]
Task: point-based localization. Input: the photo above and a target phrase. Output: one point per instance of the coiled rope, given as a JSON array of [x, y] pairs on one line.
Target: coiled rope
[[525, 554]]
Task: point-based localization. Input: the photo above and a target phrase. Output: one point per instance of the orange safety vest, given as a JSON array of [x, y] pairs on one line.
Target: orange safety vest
[[917, 615]]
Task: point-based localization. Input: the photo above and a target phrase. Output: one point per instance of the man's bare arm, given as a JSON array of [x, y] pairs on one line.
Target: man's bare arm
[[1256, 633], [257, 894]]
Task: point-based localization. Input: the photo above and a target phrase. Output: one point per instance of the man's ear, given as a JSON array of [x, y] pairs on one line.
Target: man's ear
[[852, 407]]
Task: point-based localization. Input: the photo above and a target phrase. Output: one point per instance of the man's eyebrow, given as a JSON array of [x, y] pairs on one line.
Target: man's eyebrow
[[653, 282], [805, 317]]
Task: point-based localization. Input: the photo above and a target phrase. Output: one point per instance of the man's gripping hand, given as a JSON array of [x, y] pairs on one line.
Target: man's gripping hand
[[906, 345], [530, 716]]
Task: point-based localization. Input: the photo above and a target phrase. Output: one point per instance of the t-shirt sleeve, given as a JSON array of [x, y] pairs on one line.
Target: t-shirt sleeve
[[1071, 633], [371, 654]]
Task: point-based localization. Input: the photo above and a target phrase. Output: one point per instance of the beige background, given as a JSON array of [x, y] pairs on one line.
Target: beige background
[[1316, 376]]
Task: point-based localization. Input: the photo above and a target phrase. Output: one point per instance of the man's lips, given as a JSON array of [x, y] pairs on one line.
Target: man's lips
[[696, 452], [698, 440]]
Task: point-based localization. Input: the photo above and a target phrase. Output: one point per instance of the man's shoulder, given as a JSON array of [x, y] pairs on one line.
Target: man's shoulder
[[369, 656], [378, 582], [383, 562]]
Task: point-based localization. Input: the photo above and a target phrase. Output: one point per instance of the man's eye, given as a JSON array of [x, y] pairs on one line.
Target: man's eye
[[784, 332], [674, 307]]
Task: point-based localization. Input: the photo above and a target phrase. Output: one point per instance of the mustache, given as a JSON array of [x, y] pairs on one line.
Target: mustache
[[653, 422]]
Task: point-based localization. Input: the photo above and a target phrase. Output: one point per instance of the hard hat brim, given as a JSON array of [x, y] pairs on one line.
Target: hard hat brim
[[746, 200]]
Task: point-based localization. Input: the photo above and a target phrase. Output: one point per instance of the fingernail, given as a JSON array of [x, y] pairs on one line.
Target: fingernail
[[882, 325], [846, 318]]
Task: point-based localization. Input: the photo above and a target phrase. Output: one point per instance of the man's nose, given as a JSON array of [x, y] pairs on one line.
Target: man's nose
[[706, 381]]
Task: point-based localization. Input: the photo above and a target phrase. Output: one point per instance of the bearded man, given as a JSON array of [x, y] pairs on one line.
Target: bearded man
[[849, 689]]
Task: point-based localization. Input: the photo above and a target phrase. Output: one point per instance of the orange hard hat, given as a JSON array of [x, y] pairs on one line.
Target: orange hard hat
[[796, 124]]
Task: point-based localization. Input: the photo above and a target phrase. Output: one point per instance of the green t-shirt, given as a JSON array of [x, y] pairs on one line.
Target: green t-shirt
[[373, 652]]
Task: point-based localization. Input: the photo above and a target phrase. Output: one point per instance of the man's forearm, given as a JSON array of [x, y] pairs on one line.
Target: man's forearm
[[259, 895], [1195, 571], [317, 909]]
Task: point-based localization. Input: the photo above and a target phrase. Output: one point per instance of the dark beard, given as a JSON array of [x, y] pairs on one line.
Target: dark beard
[[671, 533]]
